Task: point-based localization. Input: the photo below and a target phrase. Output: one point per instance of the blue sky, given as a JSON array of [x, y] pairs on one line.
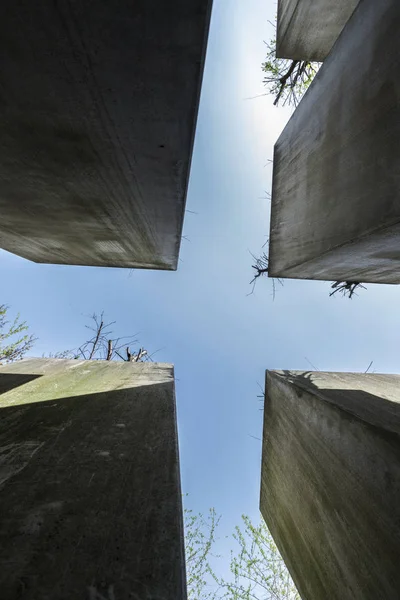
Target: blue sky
[[220, 339]]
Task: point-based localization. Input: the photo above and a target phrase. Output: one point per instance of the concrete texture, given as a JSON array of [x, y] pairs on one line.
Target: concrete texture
[[307, 29], [90, 497], [336, 183], [330, 484], [98, 108]]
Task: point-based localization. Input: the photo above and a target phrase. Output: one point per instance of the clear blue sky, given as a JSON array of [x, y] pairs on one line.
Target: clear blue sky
[[220, 340]]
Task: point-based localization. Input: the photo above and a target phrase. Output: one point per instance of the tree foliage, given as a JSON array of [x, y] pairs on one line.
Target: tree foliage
[[15, 341], [287, 80], [199, 541], [257, 570]]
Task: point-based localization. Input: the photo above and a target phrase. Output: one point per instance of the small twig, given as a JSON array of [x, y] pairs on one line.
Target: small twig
[[310, 363], [109, 350], [261, 268], [155, 352], [254, 97], [262, 390], [347, 288], [369, 366], [96, 340], [136, 357], [283, 80]]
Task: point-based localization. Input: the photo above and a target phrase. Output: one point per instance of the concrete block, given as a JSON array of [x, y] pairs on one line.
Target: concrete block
[[307, 29], [90, 497], [98, 109], [336, 182], [330, 483]]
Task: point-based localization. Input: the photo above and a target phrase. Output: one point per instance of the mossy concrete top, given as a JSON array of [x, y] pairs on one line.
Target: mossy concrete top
[[98, 110], [90, 496], [40, 379]]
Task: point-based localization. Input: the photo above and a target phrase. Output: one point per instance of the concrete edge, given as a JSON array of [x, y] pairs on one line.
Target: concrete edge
[[174, 266], [287, 273], [291, 378]]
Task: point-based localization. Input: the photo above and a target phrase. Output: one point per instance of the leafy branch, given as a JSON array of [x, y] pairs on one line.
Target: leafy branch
[[200, 537], [287, 80], [15, 341], [257, 569]]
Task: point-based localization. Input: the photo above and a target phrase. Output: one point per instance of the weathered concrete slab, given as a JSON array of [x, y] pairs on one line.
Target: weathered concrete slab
[[307, 29], [90, 498], [330, 484], [98, 109], [336, 183]]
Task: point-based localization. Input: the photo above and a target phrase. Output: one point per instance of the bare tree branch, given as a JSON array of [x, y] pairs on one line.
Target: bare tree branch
[[369, 366], [285, 79], [346, 288], [109, 350], [103, 346], [261, 268]]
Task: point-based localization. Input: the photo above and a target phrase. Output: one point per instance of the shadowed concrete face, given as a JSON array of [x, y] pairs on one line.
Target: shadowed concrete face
[[335, 200], [90, 497], [98, 109], [330, 482], [307, 29]]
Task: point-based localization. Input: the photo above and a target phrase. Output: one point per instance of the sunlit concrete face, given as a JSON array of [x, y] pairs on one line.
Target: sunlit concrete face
[[335, 210], [307, 29], [90, 496], [330, 481], [97, 120]]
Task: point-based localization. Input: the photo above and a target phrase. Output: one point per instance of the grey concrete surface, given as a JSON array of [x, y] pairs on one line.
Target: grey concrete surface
[[336, 184], [307, 29], [98, 108], [330, 483], [90, 497]]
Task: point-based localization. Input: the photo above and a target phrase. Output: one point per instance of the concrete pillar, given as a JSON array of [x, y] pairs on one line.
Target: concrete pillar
[[330, 484], [98, 110], [308, 30], [90, 498], [335, 208]]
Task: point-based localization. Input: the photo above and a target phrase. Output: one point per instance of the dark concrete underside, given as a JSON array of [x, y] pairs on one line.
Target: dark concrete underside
[[307, 29], [330, 484], [98, 105], [90, 499]]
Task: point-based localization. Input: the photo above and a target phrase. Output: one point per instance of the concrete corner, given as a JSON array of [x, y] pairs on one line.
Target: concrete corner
[[334, 213], [98, 111], [90, 496], [330, 483], [308, 30]]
